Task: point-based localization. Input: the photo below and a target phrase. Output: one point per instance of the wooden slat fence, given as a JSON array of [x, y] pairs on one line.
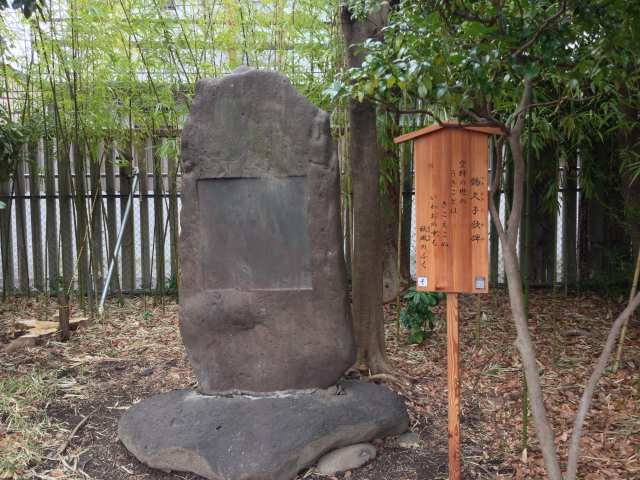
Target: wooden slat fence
[[63, 210], [64, 207]]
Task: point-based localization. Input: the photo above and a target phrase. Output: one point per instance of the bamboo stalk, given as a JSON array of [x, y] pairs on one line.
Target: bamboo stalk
[[21, 220], [36, 226]]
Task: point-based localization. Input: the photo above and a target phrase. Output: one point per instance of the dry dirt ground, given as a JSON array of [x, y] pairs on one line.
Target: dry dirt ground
[[60, 402]]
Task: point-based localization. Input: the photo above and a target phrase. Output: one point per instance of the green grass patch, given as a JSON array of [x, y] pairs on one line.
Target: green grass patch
[[23, 422]]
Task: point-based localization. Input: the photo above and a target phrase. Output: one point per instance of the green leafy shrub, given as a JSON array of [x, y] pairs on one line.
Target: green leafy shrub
[[418, 313]]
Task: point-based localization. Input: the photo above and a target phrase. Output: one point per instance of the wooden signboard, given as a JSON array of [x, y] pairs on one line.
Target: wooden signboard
[[451, 165]]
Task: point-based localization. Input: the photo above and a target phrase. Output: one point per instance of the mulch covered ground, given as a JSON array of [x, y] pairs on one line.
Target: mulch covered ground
[[60, 402]]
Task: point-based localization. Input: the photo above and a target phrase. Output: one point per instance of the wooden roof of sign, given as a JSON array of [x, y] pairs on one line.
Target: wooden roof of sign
[[448, 124]]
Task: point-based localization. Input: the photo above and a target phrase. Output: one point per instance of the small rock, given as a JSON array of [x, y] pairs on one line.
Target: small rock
[[346, 458], [409, 440], [146, 372]]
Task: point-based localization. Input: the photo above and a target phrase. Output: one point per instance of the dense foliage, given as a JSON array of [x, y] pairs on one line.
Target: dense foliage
[[124, 68], [473, 60]]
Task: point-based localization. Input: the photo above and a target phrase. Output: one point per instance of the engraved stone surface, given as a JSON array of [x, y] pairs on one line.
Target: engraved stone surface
[[263, 285], [264, 243]]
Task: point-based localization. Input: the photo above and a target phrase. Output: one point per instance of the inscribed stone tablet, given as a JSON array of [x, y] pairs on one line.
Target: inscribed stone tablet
[[260, 231], [263, 297]]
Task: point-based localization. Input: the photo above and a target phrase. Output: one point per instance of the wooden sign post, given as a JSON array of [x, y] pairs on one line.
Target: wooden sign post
[[451, 180]]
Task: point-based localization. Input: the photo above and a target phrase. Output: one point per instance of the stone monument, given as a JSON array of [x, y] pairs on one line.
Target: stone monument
[[264, 312]]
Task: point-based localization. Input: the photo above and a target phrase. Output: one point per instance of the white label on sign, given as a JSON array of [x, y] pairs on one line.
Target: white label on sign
[[480, 283], [423, 281]]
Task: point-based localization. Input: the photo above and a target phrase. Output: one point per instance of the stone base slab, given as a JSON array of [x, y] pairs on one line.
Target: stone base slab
[[243, 437]]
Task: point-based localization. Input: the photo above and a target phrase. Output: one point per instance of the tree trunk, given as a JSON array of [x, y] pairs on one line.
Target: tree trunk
[[509, 241], [524, 343], [6, 242], [63, 314], [83, 239], [365, 154], [392, 283], [587, 395], [396, 275]]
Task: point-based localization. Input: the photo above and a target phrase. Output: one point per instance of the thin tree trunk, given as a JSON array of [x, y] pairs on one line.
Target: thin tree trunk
[[524, 343], [367, 236], [36, 216], [127, 250], [112, 213], [392, 280], [21, 222], [63, 314], [51, 226], [390, 212], [66, 220], [587, 396], [96, 216], [364, 154], [83, 239], [632, 293], [6, 242]]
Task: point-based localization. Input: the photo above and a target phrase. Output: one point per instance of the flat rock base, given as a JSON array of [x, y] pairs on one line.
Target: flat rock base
[[244, 437]]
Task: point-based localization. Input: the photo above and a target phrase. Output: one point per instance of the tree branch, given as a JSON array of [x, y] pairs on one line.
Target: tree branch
[[420, 111], [498, 168], [561, 10], [485, 120], [515, 142], [494, 188], [587, 396], [552, 102], [471, 17], [525, 102]]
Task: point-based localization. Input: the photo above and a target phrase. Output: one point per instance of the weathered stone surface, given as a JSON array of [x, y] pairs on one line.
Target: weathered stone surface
[[263, 293], [346, 458], [244, 437]]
